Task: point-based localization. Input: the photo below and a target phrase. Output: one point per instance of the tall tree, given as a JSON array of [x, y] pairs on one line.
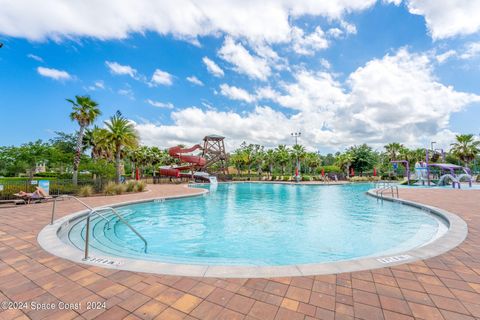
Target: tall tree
[[393, 150], [466, 147], [84, 112], [283, 156], [122, 134]]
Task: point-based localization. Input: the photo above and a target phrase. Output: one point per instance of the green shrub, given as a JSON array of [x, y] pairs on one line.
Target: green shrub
[[306, 178], [286, 178], [110, 189], [46, 174], [130, 186], [120, 188], [329, 169], [140, 186], [85, 191], [364, 179]]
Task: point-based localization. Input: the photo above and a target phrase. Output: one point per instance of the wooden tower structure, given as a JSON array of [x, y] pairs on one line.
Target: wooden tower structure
[[214, 153]]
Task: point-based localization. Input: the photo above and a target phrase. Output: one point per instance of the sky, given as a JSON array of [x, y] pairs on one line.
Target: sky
[[340, 72]]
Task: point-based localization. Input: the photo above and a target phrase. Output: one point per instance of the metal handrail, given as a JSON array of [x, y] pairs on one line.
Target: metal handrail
[[65, 196], [96, 211], [389, 188]]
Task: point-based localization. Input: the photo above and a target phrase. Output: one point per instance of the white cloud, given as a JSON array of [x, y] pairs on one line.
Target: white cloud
[[100, 84], [212, 67], [35, 57], [395, 98], [471, 50], [194, 80], [256, 21], [161, 77], [310, 43], [441, 58], [127, 92], [448, 18], [54, 73], [236, 93], [244, 62], [159, 104], [118, 69]]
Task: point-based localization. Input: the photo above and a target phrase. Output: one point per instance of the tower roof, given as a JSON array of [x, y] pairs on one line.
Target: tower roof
[[213, 137]]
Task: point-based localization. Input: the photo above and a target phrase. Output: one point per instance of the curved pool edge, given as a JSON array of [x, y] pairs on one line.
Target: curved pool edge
[[457, 232]]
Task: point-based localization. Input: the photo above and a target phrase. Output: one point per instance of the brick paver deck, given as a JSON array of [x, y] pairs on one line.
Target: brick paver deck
[[444, 287]]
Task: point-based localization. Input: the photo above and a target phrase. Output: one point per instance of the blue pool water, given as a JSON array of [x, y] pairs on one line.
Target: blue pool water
[[264, 224]]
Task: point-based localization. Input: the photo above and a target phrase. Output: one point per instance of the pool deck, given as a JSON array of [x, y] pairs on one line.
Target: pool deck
[[443, 287]]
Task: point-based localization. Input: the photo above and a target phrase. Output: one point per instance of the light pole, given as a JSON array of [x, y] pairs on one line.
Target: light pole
[[296, 135]]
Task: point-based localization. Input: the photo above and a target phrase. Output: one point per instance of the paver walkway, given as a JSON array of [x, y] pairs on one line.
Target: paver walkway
[[444, 287]]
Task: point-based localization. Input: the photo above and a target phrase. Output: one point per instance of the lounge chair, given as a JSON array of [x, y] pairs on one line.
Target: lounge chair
[[39, 195]]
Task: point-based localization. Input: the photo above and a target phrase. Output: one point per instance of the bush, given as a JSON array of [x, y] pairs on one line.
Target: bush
[[120, 188], [85, 191], [286, 178], [306, 178], [329, 169], [46, 174], [140, 186], [130, 186], [364, 179], [110, 189]]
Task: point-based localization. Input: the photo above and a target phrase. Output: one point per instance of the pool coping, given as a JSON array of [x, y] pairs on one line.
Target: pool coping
[[49, 240]]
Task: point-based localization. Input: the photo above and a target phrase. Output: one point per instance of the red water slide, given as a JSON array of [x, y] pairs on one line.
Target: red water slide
[[190, 162]]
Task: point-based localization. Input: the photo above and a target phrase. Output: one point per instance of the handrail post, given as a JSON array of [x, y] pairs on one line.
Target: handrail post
[[87, 236], [53, 210]]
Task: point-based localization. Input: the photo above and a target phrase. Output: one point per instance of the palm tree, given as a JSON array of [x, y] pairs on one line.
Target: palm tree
[[270, 159], [344, 161], [466, 148], [283, 156], [84, 111], [97, 140], [298, 154], [393, 150], [122, 134]]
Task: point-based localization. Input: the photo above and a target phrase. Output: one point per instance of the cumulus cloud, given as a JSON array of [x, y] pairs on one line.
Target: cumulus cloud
[[54, 74], [212, 67], [159, 104], [236, 93], [185, 19], [395, 98], [118, 69], [194, 80], [243, 61], [161, 77], [310, 43], [448, 18]]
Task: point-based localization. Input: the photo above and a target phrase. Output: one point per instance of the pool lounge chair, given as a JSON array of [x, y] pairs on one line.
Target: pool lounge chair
[[39, 195]]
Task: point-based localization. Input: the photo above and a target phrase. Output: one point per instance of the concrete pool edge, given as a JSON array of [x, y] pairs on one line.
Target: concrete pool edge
[[49, 240]]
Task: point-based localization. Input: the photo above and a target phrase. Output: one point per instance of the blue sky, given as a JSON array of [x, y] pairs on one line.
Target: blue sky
[[370, 71]]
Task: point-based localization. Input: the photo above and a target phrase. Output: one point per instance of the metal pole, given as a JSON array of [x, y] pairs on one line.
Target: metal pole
[[53, 210], [87, 235]]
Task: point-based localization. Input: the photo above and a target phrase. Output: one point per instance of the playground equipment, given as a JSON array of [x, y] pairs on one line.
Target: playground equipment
[[198, 167], [447, 172], [407, 167]]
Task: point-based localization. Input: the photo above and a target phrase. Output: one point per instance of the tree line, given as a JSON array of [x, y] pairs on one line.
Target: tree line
[[113, 148]]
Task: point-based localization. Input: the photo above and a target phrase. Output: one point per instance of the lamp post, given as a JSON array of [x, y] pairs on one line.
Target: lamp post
[[296, 135]]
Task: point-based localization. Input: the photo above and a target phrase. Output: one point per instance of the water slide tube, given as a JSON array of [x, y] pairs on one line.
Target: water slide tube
[[190, 162]]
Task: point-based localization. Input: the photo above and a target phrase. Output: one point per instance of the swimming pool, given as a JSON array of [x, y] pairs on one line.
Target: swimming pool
[[261, 224]]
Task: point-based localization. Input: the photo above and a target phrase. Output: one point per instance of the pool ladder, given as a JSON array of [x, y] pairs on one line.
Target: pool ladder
[[393, 189], [97, 211]]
